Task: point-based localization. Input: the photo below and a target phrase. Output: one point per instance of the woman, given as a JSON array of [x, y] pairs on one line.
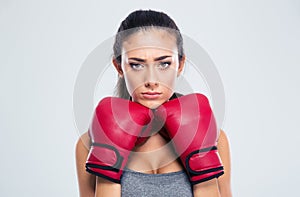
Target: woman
[[148, 55]]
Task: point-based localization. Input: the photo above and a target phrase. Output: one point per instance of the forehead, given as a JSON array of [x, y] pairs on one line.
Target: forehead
[[150, 42]]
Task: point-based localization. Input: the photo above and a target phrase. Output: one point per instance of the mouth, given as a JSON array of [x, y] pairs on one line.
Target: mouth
[[151, 95]]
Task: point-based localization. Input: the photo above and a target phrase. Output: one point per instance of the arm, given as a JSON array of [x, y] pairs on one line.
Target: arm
[[90, 185], [105, 188], [207, 188], [86, 181], [220, 186], [224, 181]]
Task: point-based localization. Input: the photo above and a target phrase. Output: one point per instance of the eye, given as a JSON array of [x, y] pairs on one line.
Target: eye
[[137, 66], [164, 65]]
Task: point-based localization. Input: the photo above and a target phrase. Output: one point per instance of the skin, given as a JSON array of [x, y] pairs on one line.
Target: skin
[[145, 74]]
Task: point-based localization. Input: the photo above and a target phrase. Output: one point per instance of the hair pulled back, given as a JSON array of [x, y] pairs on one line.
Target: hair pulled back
[[137, 21]]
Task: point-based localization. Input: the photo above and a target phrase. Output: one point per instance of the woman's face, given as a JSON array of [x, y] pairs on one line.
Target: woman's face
[[150, 66]]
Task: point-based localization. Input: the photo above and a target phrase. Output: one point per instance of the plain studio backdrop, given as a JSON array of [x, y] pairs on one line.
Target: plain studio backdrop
[[255, 48]]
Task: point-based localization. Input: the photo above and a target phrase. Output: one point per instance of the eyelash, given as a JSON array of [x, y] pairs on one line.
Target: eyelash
[[161, 63], [133, 64], [169, 63]]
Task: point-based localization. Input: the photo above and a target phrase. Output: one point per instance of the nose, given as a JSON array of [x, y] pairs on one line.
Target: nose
[[151, 79], [150, 84]]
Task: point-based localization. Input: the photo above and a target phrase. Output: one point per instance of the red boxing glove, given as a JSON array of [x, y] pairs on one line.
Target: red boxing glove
[[115, 129], [191, 125]]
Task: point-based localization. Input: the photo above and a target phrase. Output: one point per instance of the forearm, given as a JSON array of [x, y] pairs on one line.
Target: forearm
[[224, 187], [224, 181], [207, 189], [105, 188], [86, 187], [86, 181]]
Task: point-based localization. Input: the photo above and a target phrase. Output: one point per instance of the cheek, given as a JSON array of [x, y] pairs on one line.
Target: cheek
[[133, 81], [168, 78]]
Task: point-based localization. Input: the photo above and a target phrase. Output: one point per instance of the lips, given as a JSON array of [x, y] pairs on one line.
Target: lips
[[151, 95]]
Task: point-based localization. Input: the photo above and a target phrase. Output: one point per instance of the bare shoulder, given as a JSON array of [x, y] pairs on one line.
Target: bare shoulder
[[224, 147], [83, 142], [223, 139]]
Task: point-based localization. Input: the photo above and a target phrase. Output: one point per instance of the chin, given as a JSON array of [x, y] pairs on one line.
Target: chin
[[152, 104]]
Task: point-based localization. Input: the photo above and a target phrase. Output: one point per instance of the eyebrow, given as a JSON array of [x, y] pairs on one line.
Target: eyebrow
[[156, 59]]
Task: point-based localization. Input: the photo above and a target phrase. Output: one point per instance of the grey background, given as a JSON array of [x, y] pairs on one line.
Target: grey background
[[254, 44]]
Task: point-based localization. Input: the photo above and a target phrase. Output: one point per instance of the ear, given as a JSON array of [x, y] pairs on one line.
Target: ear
[[181, 65], [117, 67]]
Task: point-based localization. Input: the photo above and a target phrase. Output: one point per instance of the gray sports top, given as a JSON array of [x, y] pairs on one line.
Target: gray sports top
[[168, 184]]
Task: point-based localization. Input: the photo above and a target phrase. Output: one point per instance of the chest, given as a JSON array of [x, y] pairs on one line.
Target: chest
[[155, 154]]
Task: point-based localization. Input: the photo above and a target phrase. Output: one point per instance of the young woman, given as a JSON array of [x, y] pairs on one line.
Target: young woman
[[148, 56]]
